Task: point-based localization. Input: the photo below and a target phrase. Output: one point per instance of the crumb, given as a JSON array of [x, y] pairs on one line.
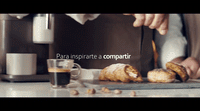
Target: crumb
[[74, 92], [132, 94], [91, 91], [105, 89], [117, 91]]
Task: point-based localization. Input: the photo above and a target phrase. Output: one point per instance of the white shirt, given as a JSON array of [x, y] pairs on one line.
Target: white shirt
[[173, 44], [169, 46], [82, 18]]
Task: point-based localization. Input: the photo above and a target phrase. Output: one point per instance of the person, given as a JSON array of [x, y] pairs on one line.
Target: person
[[109, 35], [173, 45], [192, 60]]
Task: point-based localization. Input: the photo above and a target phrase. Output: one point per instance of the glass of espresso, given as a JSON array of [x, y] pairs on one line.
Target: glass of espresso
[[60, 72]]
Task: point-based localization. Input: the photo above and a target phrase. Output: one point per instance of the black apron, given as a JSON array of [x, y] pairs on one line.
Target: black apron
[[192, 26], [106, 37]]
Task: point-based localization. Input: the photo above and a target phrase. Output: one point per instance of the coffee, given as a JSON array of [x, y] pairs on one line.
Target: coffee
[[60, 72], [59, 77]]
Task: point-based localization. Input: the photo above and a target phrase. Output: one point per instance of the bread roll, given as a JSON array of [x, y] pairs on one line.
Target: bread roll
[[161, 76]]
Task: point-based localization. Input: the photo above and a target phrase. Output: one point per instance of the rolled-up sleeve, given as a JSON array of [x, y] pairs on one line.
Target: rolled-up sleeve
[[173, 44], [82, 18]]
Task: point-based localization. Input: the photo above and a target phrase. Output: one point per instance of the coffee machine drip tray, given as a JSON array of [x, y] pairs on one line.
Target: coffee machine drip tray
[[25, 78]]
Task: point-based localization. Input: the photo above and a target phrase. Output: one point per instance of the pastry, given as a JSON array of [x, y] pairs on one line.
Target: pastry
[[161, 76], [120, 72], [179, 69]]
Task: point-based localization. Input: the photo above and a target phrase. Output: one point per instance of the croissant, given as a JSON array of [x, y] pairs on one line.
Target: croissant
[[120, 72]]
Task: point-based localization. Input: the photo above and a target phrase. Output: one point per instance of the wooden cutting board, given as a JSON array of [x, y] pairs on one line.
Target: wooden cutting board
[[191, 83]]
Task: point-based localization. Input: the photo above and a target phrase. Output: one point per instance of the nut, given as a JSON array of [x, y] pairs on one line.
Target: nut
[[91, 91], [74, 92], [102, 89], [117, 91], [105, 89], [132, 94]]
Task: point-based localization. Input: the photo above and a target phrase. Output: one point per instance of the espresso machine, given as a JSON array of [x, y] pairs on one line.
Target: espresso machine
[[26, 33]]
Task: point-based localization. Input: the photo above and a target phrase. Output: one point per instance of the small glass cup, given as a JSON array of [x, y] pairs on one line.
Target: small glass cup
[[60, 72]]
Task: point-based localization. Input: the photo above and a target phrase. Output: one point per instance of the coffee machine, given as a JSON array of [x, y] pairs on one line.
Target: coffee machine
[[26, 33]]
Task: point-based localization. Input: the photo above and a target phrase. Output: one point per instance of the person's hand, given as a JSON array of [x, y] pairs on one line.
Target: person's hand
[[154, 21], [192, 67]]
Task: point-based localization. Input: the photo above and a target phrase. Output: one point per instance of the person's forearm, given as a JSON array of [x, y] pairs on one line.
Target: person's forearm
[[178, 59]]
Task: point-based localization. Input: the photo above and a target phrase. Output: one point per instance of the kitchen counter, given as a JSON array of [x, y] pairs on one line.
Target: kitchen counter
[[43, 89]]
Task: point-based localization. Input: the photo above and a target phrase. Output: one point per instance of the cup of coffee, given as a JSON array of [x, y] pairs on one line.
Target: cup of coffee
[[60, 71]]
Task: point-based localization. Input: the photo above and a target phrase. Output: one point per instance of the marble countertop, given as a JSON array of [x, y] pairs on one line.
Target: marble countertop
[[43, 89]]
